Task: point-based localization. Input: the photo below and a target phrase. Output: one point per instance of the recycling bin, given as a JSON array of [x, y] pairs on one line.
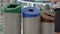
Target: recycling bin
[[12, 17], [31, 21], [47, 23]]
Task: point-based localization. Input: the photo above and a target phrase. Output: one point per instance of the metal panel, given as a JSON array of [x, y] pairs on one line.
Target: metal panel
[[48, 28], [12, 23], [32, 25]]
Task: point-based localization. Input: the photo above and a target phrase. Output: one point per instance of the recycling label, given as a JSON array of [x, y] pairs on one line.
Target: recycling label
[[1, 28]]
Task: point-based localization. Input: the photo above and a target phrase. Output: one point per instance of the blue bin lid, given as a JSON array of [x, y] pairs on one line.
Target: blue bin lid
[[31, 12]]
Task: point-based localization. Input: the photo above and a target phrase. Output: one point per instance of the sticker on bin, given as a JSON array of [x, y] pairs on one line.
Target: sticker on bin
[[1, 28]]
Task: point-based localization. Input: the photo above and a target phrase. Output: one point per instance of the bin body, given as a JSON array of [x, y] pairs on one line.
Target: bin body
[[12, 17], [48, 28], [32, 25], [31, 21]]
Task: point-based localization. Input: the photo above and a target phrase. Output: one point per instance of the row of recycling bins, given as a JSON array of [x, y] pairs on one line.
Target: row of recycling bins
[[31, 21]]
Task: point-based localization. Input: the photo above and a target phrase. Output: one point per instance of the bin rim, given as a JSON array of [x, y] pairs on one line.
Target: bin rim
[[18, 6]]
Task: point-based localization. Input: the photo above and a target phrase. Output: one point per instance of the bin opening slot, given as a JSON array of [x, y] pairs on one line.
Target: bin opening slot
[[31, 10], [11, 6]]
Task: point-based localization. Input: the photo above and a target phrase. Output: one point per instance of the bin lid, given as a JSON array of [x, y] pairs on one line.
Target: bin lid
[[12, 8], [31, 12]]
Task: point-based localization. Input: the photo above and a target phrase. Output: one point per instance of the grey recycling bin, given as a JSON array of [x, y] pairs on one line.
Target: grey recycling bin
[[12, 17], [31, 21], [47, 23]]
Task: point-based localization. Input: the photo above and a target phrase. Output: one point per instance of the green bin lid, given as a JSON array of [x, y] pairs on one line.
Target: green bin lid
[[12, 8]]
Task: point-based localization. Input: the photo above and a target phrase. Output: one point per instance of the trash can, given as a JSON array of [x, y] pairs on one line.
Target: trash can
[[47, 23], [31, 21], [12, 17]]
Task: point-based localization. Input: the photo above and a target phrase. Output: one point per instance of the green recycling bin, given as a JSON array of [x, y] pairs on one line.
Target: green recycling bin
[[12, 16]]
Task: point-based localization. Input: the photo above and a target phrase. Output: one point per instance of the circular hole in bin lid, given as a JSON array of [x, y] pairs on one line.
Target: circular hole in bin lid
[[31, 10]]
